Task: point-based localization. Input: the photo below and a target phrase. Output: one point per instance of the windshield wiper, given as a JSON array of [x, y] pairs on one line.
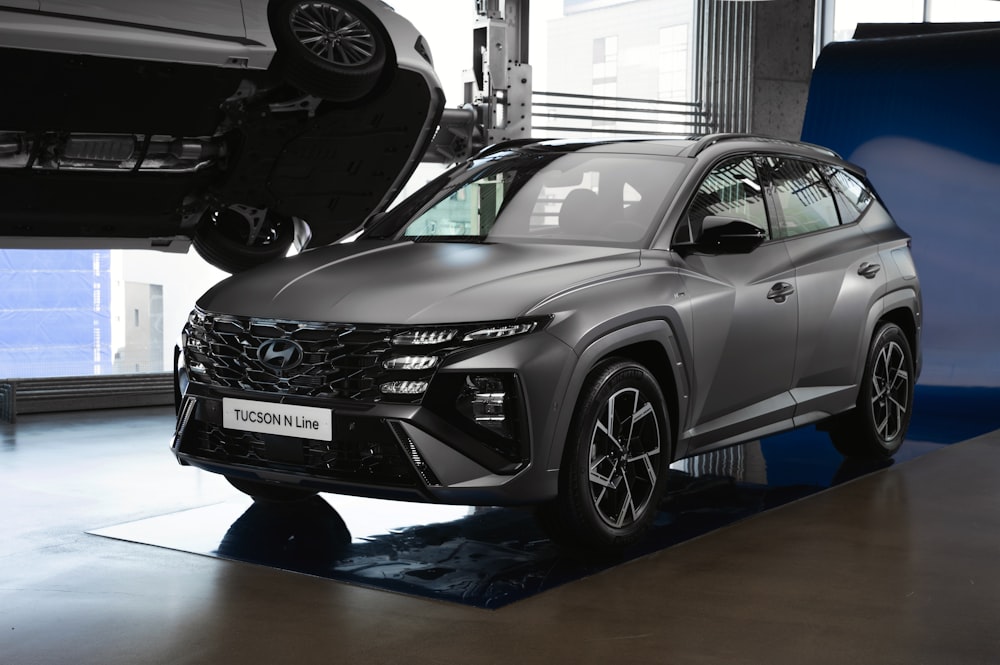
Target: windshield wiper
[[464, 238]]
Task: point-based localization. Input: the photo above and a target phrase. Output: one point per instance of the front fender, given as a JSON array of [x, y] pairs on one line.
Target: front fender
[[658, 331]]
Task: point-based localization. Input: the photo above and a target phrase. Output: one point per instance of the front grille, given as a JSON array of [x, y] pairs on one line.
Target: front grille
[[372, 456], [339, 361]]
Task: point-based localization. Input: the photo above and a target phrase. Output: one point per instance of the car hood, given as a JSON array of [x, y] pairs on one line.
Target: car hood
[[414, 283]]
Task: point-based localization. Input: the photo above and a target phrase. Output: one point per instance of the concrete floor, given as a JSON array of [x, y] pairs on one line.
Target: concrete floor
[[897, 567]]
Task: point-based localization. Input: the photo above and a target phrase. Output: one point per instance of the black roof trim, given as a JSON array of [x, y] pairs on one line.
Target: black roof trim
[[689, 147], [708, 140], [512, 144]]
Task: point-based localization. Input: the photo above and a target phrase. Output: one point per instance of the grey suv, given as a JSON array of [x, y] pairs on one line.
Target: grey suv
[[554, 323]]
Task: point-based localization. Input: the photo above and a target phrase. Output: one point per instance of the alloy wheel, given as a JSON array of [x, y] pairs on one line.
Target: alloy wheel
[[332, 34], [890, 391], [624, 446]]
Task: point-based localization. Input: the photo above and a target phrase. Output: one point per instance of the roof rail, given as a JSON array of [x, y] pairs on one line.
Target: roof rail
[[503, 145], [707, 140]]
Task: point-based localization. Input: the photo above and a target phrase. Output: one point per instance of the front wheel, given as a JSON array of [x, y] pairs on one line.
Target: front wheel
[[875, 428], [615, 465]]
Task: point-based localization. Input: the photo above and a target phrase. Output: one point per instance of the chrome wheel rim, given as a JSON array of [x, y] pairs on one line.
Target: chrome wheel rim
[[890, 391], [624, 456], [332, 34]]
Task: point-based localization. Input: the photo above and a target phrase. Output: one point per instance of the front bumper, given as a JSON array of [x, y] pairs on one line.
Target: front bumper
[[415, 452]]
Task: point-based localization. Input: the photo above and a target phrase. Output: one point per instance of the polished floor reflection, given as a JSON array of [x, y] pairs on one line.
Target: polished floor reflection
[[489, 557], [896, 567]]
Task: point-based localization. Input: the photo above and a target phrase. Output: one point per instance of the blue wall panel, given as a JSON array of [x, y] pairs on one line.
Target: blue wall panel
[[55, 315], [922, 116]]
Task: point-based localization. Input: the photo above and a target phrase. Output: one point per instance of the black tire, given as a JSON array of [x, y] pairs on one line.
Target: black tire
[[232, 241], [876, 426], [600, 512], [333, 49], [268, 492]]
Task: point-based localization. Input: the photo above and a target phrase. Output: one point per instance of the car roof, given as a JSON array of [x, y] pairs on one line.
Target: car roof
[[709, 146]]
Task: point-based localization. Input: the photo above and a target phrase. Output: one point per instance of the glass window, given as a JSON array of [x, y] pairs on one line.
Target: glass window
[[841, 17], [674, 70], [853, 196], [732, 189], [640, 52], [605, 58], [848, 13], [805, 203], [949, 11], [580, 197], [85, 313]]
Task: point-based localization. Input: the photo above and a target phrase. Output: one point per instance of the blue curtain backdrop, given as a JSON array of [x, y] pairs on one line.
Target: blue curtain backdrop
[[55, 316], [922, 115]]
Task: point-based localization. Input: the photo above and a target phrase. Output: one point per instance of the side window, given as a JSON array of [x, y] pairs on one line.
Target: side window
[[852, 195], [731, 189], [805, 203]]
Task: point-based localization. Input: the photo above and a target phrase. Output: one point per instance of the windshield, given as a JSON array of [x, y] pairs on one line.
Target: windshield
[[578, 197]]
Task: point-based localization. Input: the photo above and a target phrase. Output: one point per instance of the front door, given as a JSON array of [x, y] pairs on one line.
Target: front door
[[744, 314]]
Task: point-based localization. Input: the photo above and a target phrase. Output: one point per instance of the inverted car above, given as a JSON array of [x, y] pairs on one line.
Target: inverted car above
[[238, 126]]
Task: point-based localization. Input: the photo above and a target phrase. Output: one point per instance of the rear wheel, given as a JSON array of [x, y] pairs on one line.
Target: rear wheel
[[268, 492], [875, 428], [238, 238], [333, 49], [615, 465]]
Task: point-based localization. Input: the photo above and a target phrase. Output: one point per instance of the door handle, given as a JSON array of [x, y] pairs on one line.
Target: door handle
[[869, 270], [780, 292]]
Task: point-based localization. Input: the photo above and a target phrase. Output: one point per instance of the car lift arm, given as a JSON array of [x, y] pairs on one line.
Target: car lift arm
[[497, 89]]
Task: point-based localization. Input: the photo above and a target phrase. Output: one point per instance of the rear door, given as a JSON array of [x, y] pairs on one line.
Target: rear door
[[839, 277]]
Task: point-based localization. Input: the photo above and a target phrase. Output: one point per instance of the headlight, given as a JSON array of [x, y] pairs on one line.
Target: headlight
[[414, 363], [423, 337], [499, 332], [404, 388], [411, 362]]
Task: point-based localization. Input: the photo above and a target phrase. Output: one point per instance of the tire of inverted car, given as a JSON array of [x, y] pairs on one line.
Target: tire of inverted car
[[232, 256], [313, 76]]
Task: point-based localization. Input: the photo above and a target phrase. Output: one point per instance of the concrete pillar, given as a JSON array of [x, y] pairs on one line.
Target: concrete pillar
[[782, 66]]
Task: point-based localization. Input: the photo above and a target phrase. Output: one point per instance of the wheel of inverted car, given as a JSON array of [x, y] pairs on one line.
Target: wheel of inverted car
[[237, 238], [269, 492], [615, 464], [875, 428], [334, 49]]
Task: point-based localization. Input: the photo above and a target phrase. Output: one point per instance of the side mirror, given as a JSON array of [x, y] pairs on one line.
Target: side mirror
[[728, 235]]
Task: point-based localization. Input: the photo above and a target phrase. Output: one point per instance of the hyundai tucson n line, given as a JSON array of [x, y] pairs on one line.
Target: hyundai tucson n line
[[555, 323], [238, 125]]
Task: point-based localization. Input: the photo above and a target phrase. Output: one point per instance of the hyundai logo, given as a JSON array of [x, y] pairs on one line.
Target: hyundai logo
[[280, 354]]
